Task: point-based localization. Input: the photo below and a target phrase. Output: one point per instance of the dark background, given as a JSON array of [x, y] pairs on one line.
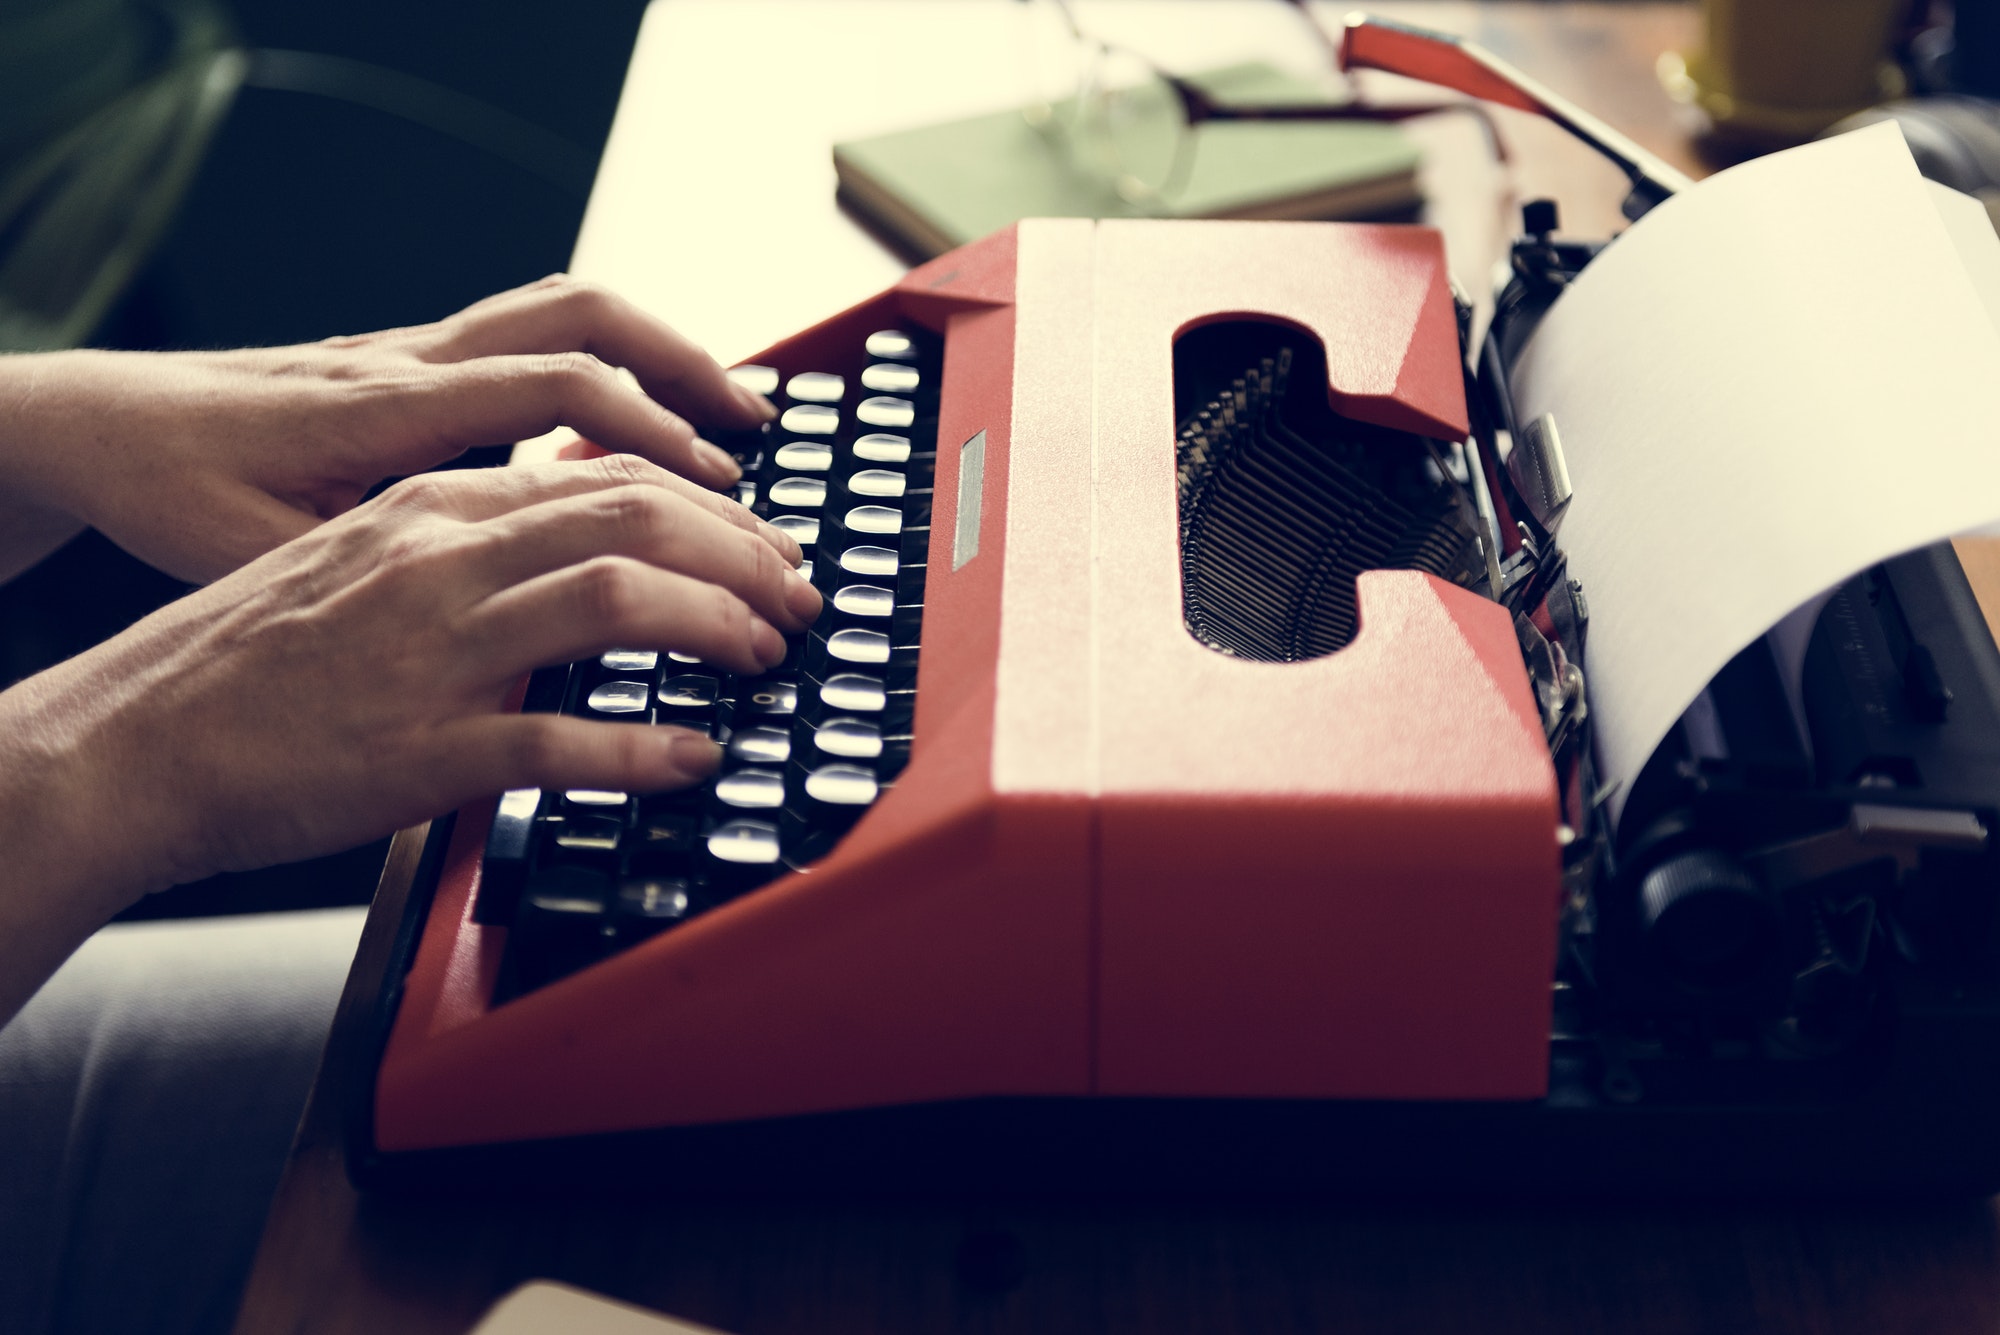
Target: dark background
[[314, 216]]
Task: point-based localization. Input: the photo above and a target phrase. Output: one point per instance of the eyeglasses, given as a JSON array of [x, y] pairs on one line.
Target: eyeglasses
[[1133, 126]]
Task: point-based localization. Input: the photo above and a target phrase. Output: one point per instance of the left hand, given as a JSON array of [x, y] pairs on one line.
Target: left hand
[[198, 462]]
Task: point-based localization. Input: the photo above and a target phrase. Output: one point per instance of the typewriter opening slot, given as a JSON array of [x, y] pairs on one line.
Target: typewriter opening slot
[[1283, 502]]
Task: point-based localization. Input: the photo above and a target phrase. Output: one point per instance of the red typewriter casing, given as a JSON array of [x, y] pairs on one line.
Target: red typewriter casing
[[1121, 868]]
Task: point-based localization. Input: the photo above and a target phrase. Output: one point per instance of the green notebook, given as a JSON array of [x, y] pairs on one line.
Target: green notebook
[[943, 185]]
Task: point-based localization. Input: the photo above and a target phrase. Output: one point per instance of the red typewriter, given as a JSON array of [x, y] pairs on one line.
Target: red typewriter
[[1186, 787]]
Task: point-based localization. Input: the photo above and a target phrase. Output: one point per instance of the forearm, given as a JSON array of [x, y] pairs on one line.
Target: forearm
[[30, 528]]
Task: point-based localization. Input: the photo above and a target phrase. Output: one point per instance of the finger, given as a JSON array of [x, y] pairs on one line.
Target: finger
[[495, 753], [615, 602], [476, 494], [653, 525], [516, 397], [563, 314]]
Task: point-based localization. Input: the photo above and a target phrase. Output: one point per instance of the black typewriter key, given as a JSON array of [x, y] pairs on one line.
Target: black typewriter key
[[875, 520], [884, 411], [751, 789], [816, 387], [508, 844], [629, 660], [663, 838], [799, 493], [848, 739], [879, 447], [853, 692], [893, 343], [864, 600], [590, 834], [760, 746], [810, 419], [802, 529], [883, 482], [848, 787], [689, 690], [624, 700], [871, 561], [747, 843], [772, 702], [560, 927], [804, 456], [757, 379], [890, 378], [646, 906]]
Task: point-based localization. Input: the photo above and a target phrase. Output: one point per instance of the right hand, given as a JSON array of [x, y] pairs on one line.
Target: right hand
[[354, 680]]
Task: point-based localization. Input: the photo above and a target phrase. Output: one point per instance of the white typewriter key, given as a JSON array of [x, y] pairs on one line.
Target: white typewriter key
[[876, 482], [890, 343], [816, 387], [889, 378], [679, 657], [851, 690], [806, 570], [750, 841], [756, 379], [757, 788], [619, 697], [875, 519], [864, 600], [761, 746], [689, 691], [805, 493], [594, 797], [810, 419], [849, 738], [879, 447], [804, 456], [841, 785], [630, 660], [875, 561], [746, 494], [802, 529], [858, 646], [880, 411]]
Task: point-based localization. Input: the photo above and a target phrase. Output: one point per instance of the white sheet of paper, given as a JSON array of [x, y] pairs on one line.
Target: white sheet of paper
[[1771, 382]]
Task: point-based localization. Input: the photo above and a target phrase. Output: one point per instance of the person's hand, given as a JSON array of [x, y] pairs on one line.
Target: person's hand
[[198, 462], [354, 680]]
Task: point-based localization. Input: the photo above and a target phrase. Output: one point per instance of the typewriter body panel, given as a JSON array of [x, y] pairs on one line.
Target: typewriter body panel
[[1120, 868]]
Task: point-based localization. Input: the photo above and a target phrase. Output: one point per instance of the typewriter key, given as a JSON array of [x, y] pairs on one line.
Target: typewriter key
[[889, 378], [811, 419], [816, 387], [757, 379], [873, 482], [688, 691], [804, 493], [802, 529], [883, 343], [804, 456], [760, 746], [879, 562], [858, 646], [676, 656], [630, 660], [875, 519], [620, 697], [849, 738], [842, 785], [597, 834], [864, 600], [879, 448], [661, 838], [878, 411], [750, 842], [767, 702], [851, 690], [751, 789], [594, 797]]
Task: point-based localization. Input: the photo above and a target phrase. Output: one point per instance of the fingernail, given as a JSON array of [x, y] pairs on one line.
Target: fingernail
[[766, 643], [802, 600], [692, 752], [717, 461], [755, 402]]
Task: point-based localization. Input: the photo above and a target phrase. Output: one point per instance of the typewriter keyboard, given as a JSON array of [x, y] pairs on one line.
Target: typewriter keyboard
[[807, 746]]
